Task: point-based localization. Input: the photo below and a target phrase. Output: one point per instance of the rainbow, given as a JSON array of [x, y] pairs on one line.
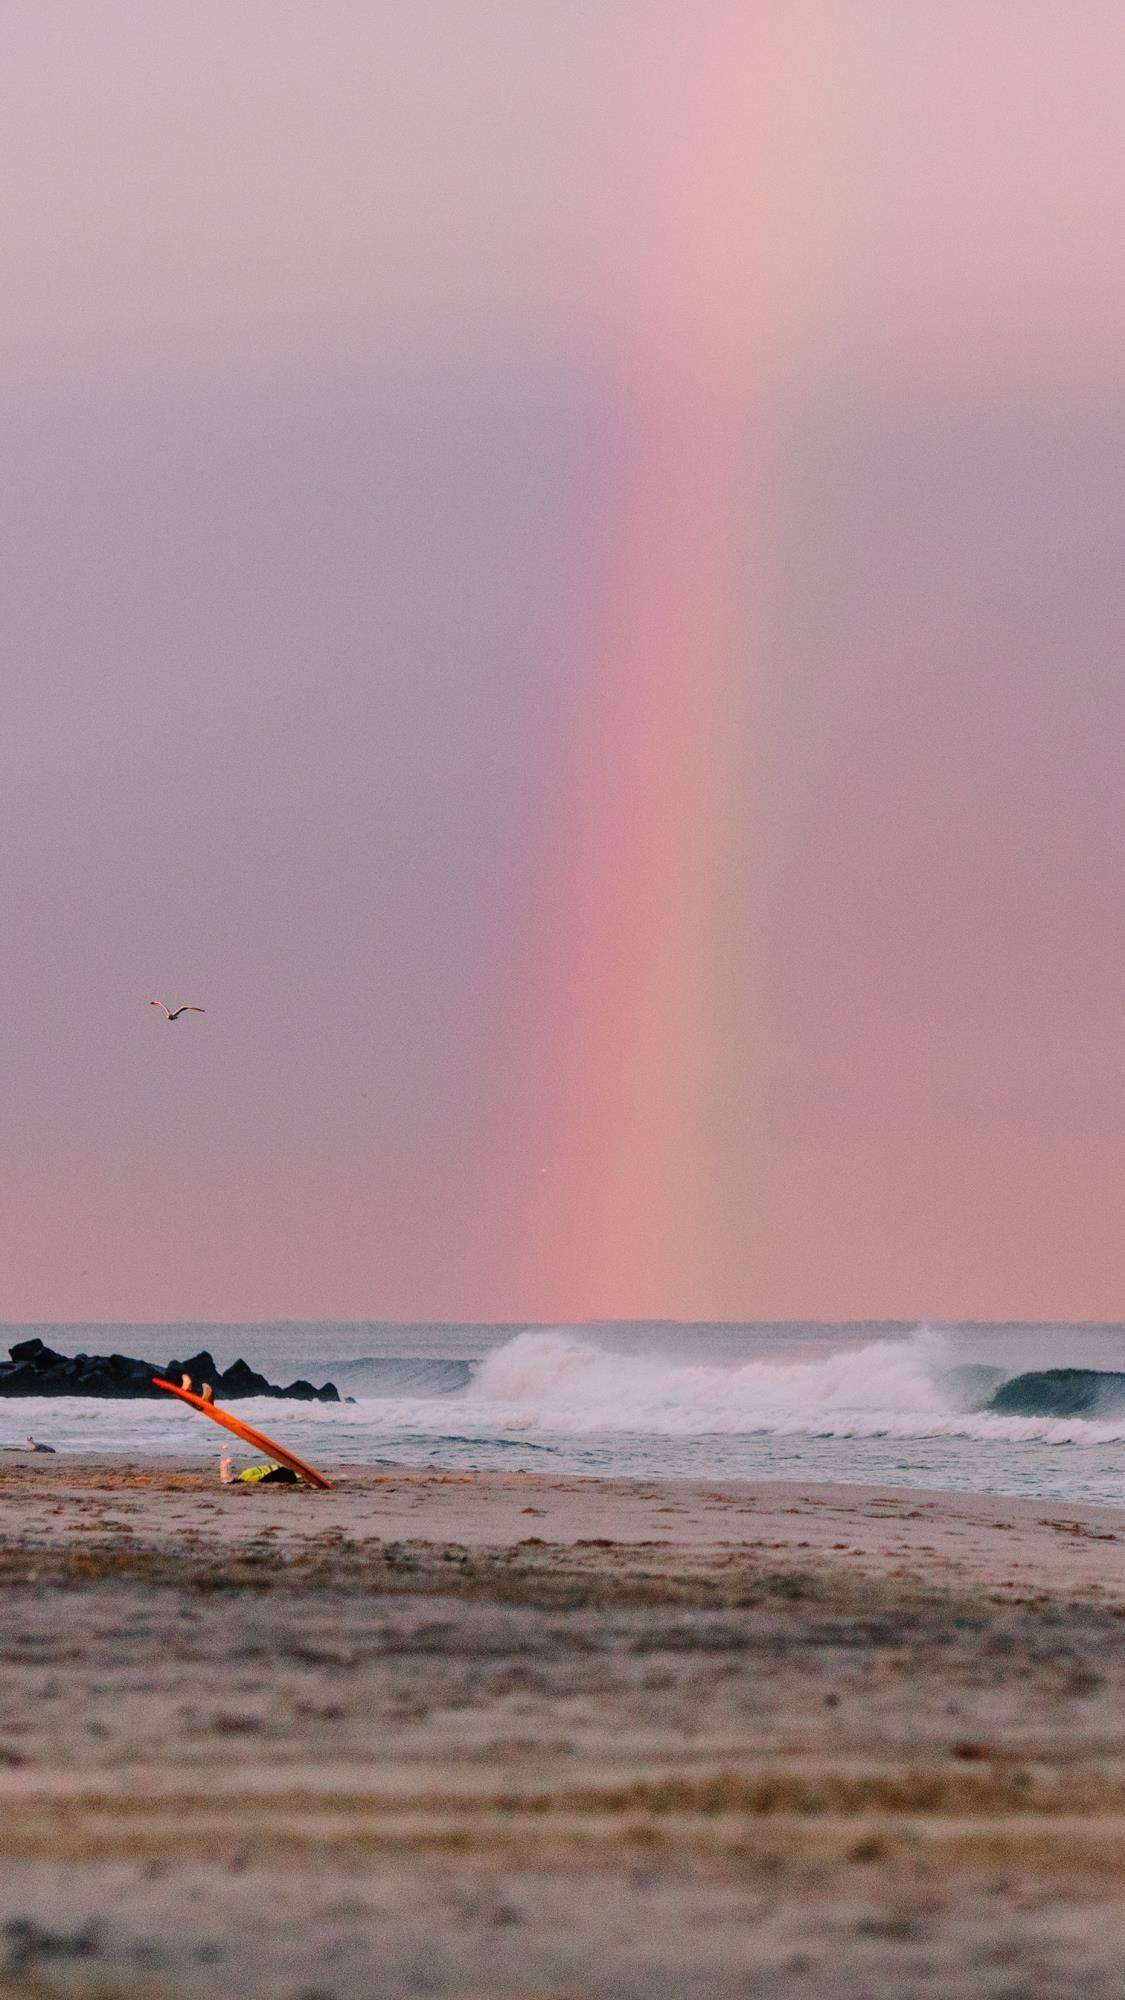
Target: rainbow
[[633, 988]]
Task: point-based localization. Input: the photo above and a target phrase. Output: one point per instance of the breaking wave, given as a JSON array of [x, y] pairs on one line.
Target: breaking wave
[[564, 1383]]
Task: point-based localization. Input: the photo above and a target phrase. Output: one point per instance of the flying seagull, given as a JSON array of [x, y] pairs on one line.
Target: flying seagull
[[173, 1013]]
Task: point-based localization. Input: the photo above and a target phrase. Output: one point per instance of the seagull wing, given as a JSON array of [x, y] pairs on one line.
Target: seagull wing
[[162, 1007], [177, 1011]]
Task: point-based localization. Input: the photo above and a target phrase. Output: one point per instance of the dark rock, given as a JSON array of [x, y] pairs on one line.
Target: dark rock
[[34, 1351], [35, 1370], [202, 1367], [242, 1380], [19, 1378]]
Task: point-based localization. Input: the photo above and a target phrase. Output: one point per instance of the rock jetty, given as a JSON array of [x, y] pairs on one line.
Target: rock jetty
[[36, 1370]]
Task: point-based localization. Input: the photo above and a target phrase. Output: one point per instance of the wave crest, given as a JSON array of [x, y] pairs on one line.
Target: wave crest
[[562, 1382]]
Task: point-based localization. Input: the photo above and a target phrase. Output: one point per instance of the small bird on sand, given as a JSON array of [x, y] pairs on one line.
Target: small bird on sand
[[173, 1013]]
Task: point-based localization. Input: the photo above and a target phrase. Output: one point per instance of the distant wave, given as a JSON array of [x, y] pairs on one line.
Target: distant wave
[[377, 1375]]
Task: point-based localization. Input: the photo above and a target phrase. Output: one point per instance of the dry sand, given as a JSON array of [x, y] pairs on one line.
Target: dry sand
[[489, 1736]]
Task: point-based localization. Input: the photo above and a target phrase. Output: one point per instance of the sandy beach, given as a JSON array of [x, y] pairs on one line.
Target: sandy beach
[[481, 1735]]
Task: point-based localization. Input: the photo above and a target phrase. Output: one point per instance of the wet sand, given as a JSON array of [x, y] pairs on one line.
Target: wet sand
[[481, 1735]]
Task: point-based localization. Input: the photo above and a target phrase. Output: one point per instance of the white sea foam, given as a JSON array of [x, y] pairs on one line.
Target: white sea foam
[[565, 1383]]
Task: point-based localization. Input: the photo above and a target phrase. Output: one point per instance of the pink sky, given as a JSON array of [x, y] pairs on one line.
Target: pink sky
[[314, 329]]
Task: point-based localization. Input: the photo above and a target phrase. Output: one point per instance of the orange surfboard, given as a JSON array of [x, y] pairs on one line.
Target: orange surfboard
[[258, 1439]]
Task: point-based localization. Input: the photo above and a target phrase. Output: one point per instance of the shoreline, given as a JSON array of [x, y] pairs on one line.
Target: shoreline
[[942, 1538]]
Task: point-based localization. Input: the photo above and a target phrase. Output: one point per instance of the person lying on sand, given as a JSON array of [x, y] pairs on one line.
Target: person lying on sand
[[267, 1473]]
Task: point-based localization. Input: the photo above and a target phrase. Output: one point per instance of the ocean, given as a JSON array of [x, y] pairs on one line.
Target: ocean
[[1020, 1409]]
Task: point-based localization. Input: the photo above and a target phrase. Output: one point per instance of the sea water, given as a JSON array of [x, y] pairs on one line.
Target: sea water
[[977, 1408]]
